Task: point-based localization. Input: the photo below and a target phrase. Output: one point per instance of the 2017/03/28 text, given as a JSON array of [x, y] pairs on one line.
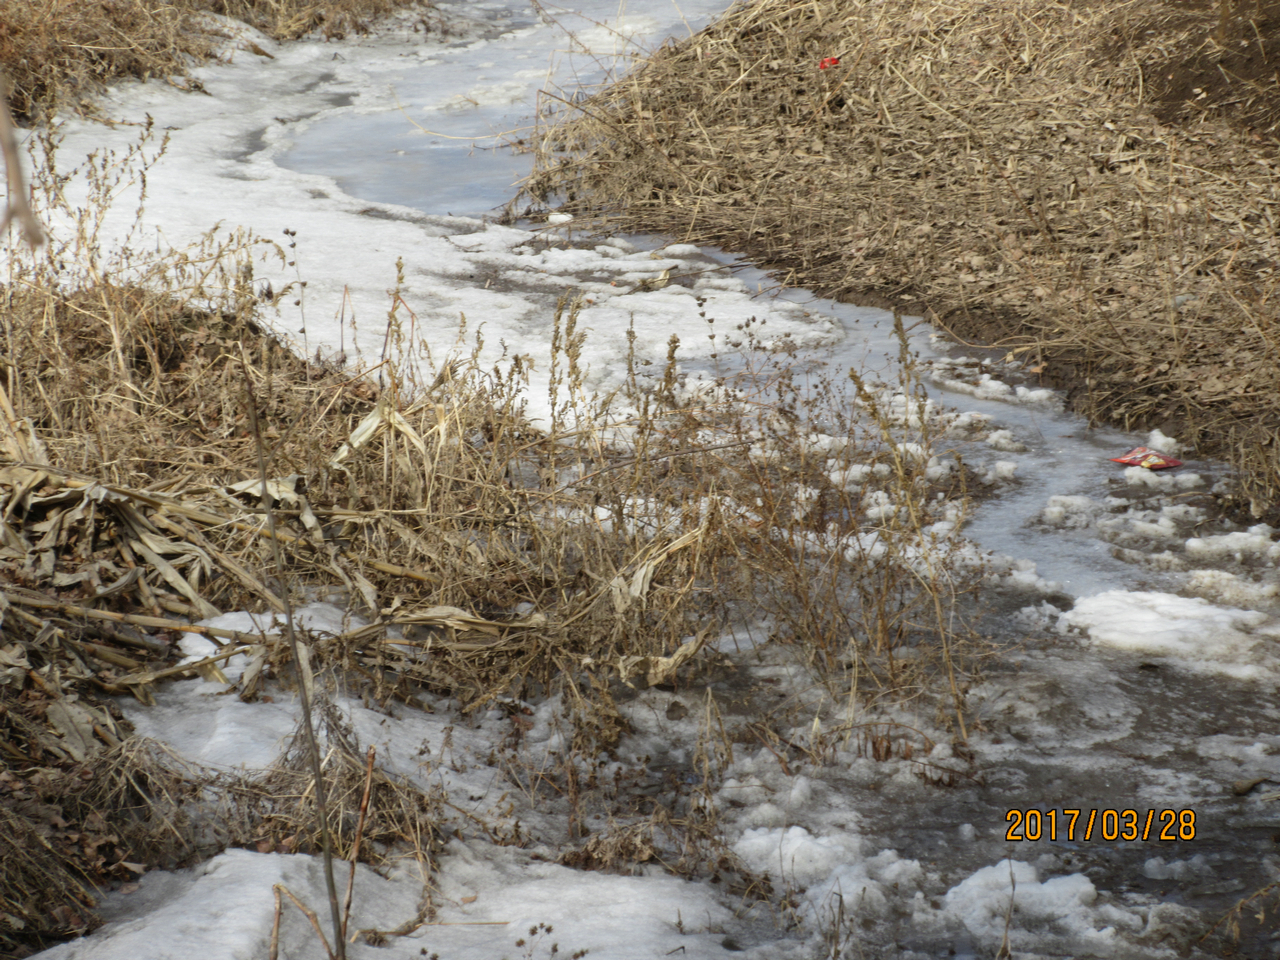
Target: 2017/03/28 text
[[1110, 824]]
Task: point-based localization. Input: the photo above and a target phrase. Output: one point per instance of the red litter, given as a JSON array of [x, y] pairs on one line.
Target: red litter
[[826, 62], [1146, 457]]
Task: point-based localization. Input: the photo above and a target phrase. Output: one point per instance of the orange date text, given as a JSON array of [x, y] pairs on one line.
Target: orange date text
[[1113, 824]]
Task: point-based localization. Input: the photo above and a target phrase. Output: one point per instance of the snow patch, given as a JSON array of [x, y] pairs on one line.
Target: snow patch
[[1192, 631]]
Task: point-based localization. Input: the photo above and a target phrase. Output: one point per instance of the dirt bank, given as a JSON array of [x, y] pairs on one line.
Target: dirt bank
[[1089, 186]]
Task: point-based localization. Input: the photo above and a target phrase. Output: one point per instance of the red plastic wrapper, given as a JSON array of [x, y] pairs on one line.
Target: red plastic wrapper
[[1146, 457]]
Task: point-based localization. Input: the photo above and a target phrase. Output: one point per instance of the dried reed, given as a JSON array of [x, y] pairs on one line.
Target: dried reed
[[1026, 175], [491, 559], [62, 52]]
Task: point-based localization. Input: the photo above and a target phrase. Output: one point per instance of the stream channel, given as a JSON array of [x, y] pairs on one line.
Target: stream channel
[[1066, 725], [1138, 628]]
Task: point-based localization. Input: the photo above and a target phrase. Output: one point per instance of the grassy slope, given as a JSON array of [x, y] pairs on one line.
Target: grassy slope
[[1089, 186]]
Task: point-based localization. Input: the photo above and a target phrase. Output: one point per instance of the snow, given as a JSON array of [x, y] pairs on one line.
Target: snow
[[224, 909], [1157, 440], [1256, 543], [1004, 440], [1202, 635], [318, 618], [195, 720], [987, 902], [1225, 587], [609, 916], [795, 855], [224, 167], [1000, 471], [491, 897], [962, 375]]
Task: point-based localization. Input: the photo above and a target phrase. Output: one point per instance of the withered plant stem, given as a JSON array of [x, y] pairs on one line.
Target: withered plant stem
[[355, 845], [277, 890], [18, 208], [302, 665]]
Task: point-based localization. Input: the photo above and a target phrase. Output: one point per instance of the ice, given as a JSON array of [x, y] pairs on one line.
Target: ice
[[477, 96], [1073, 511], [203, 181], [1000, 471], [1256, 543], [1224, 587], [1157, 869], [1004, 440], [985, 386]]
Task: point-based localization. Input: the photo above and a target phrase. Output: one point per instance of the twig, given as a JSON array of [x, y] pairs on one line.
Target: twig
[[274, 952], [280, 888], [355, 847], [299, 659], [135, 619]]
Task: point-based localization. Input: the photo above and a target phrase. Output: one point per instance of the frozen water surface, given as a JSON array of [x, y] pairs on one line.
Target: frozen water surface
[[1116, 689], [433, 122]]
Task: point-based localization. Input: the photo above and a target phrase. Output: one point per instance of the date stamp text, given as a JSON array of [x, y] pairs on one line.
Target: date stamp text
[[1068, 824]]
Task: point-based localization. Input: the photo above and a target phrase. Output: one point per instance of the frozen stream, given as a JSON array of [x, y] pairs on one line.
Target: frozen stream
[[1117, 690]]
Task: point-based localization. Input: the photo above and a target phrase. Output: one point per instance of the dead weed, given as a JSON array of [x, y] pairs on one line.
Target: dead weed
[[63, 52], [1026, 175]]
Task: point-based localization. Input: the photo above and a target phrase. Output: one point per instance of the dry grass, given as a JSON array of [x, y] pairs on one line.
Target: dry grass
[[277, 811], [1024, 174], [290, 19], [492, 555], [58, 51], [491, 560], [61, 52]]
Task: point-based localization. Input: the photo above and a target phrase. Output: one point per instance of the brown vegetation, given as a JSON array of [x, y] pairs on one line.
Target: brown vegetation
[[62, 51], [487, 558], [1092, 187]]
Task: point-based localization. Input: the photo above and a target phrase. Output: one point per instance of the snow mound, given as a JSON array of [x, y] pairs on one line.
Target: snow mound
[[796, 855], [1202, 635], [1008, 897]]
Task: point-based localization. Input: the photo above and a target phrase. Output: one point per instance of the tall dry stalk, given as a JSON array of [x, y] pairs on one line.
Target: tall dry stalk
[[302, 663], [16, 208]]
